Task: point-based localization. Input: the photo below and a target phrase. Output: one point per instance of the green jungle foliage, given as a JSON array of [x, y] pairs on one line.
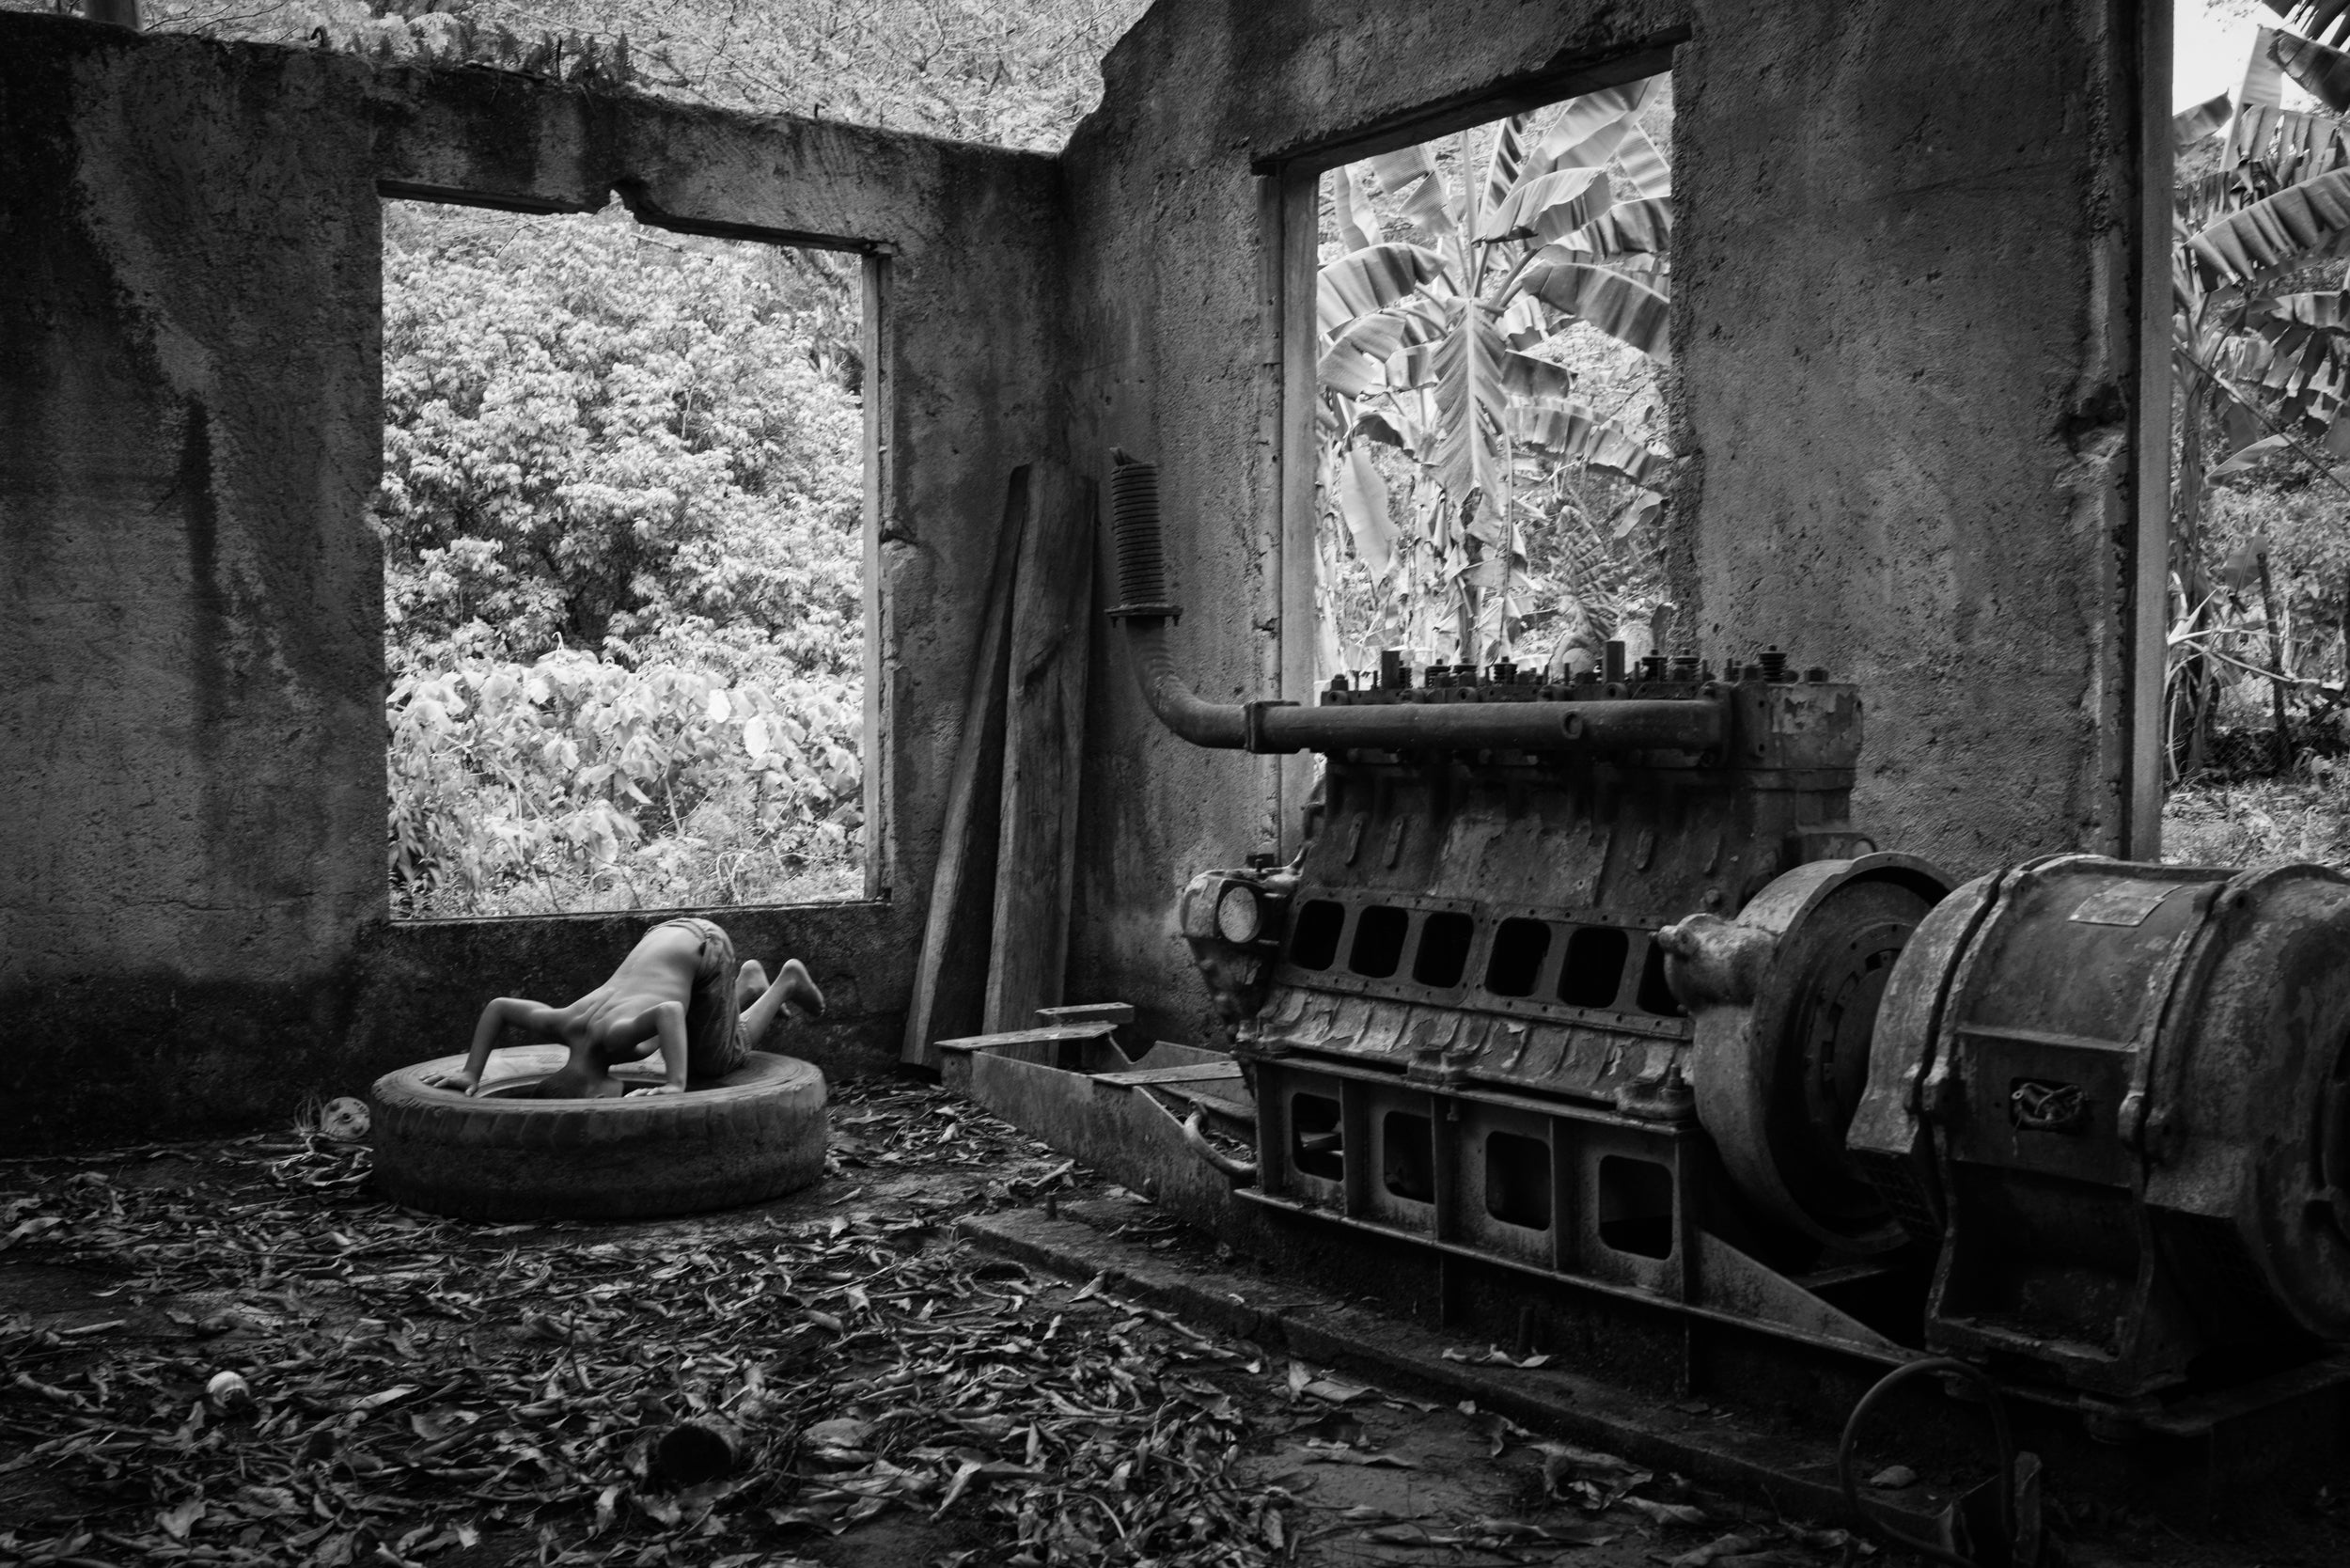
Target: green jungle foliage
[[621, 490], [1491, 325], [621, 509]]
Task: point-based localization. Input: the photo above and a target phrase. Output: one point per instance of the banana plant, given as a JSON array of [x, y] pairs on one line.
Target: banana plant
[[2260, 354], [1561, 218]]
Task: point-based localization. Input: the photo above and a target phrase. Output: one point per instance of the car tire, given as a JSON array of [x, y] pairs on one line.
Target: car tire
[[756, 1134]]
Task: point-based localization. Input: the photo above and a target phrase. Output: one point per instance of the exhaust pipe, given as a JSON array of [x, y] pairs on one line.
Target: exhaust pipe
[[1146, 610]]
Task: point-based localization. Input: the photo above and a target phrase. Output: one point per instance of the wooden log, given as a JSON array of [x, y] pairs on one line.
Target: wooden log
[[950, 981], [1043, 742]]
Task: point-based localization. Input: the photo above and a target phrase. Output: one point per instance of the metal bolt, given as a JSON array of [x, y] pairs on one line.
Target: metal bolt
[[1774, 663]]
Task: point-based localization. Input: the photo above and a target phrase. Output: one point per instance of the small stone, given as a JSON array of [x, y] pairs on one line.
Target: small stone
[[1893, 1478]]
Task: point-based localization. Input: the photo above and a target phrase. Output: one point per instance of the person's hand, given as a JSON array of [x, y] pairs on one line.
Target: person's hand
[[657, 1089], [461, 1080]]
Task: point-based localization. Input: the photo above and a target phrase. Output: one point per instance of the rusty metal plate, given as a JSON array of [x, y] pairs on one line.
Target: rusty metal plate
[[2121, 904]]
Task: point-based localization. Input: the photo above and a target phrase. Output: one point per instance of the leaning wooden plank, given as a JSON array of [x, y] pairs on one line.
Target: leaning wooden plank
[[1044, 739], [950, 981], [1088, 1013]]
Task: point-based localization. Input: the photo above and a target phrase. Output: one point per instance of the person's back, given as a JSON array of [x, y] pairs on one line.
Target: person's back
[[678, 991]]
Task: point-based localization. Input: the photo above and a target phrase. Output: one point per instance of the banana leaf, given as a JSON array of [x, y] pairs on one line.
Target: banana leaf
[[2284, 146], [1629, 311], [1429, 212], [2316, 18], [1554, 205], [1358, 225], [2301, 222], [1641, 227], [1371, 279], [1525, 376], [1395, 170], [1357, 360], [1573, 430], [2198, 200], [1524, 323], [1362, 497], [2190, 126], [1591, 152], [2324, 72], [1583, 118], [2326, 310], [2263, 78], [1469, 402], [1507, 162], [1645, 170]]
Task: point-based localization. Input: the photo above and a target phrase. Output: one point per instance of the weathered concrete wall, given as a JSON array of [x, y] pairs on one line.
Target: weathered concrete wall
[[193, 927], [1901, 349], [192, 621]]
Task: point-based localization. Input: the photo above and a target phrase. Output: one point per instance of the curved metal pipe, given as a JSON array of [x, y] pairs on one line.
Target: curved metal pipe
[[1223, 724]]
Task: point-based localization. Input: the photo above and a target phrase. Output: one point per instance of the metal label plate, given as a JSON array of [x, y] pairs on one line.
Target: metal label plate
[[2122, 904]]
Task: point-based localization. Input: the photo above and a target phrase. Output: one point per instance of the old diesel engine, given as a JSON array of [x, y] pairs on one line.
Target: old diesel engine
[[1597, 982]]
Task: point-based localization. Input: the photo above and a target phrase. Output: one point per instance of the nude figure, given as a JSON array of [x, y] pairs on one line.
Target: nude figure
[[678, 991]]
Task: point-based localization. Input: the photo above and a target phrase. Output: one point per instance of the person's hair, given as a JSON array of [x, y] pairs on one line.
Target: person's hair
[[712, 1017]]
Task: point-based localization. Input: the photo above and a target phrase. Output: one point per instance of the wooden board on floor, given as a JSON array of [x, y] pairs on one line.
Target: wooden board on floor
[[950, 981], [1043, 742]]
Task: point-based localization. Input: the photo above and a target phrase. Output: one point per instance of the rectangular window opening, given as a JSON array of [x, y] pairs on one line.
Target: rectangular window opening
[[1592, 972], [1657, 994], [1378, 948], [1519, 947], [1408, 1156], [624, 508], [1444, 948], [1317, 1145], [1314, 936], [1635, 1206], [1518, 1180], [1488, 435]]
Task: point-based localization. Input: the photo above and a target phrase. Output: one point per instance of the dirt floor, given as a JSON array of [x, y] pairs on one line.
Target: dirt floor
[[419, 1390]]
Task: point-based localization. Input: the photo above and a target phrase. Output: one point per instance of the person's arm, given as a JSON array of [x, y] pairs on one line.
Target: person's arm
[[669, 1022], [537, 1017]]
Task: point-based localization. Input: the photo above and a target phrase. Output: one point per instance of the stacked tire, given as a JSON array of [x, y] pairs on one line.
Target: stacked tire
[[756, 1134]]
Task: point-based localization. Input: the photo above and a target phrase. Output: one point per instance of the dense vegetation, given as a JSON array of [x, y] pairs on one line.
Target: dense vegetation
[[620, 510], [1492, 313]]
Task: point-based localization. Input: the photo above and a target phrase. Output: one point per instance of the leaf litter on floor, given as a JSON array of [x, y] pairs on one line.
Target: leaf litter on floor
[[405, 1388]]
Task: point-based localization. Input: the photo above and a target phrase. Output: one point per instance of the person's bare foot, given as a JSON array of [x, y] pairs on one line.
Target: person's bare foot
[[800, 989]]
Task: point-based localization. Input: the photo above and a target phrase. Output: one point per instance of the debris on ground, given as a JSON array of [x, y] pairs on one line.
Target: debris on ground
[[229, 1353]]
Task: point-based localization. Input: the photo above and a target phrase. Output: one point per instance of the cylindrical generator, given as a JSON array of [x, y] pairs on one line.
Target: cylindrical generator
[[1589, 978], [2117, 1097]]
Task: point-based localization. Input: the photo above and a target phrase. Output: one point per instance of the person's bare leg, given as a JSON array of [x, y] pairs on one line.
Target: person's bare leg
[[794, 984], [750, 983]]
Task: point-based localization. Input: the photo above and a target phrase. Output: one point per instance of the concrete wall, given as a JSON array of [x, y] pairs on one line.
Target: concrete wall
[[193, 927], [1903, 365], [1903, 368]]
